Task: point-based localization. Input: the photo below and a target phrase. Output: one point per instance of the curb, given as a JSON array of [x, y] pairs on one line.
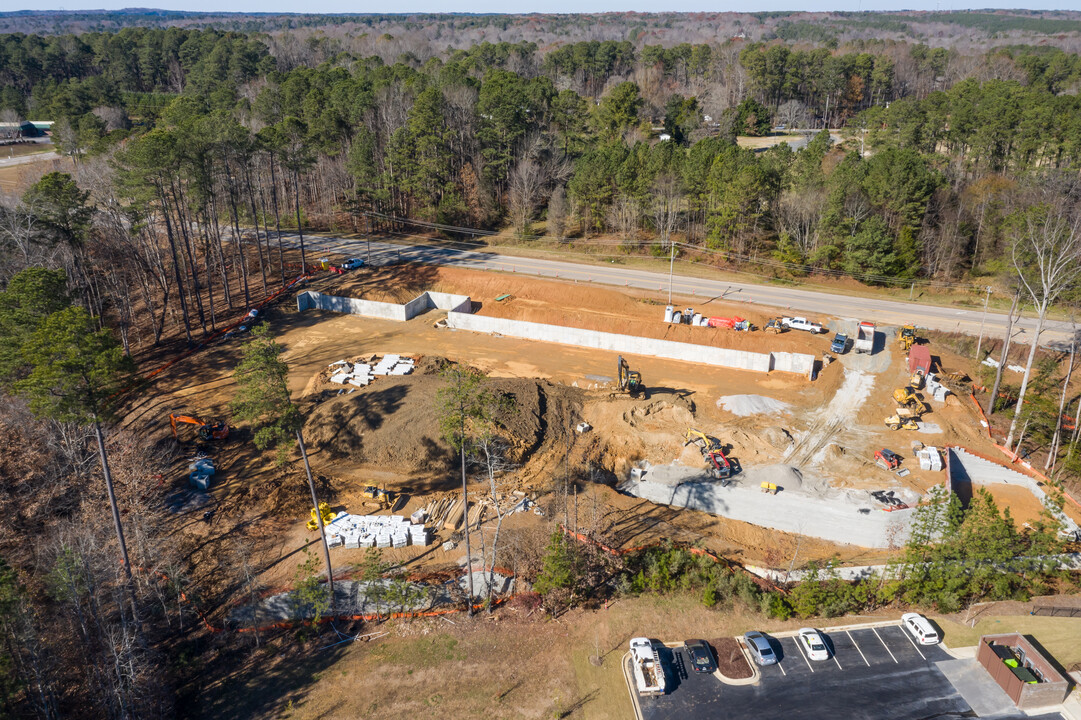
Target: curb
[[755, 674], [630, 685]]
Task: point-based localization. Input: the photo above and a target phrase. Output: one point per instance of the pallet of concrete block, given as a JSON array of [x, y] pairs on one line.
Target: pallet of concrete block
[[930, 458], [357, 375]]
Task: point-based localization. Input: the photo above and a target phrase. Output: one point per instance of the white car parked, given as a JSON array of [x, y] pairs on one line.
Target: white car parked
[[801, 323], [813, 644], [921, 629], [352, 263]]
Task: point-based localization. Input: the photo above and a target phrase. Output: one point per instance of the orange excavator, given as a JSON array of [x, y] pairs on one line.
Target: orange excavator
[[207, 431]]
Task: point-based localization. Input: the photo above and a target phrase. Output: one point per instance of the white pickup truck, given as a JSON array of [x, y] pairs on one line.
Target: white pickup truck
[[648, 671], [799, 323]]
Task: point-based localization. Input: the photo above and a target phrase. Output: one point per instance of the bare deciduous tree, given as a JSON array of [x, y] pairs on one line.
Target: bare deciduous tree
[[557, 213], [1046, 252], [667, 201], [526, 181]]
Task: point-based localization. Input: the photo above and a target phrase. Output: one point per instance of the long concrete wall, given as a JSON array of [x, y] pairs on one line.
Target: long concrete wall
[[632, 344], [386, 311], [459, 316]]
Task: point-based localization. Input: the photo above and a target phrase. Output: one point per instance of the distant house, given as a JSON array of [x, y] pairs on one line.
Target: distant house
[[44, 127], [11, 130]]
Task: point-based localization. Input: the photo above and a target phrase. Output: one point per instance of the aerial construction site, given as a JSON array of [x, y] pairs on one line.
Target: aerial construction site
[[788, 440]]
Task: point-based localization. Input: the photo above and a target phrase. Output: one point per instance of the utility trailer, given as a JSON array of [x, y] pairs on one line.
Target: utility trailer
[[648, 671], [865, 338]]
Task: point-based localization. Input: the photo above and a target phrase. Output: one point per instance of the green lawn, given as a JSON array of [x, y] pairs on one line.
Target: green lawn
[[1060, 636]]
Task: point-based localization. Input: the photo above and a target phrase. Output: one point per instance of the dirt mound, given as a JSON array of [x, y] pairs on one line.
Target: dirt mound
[[778, 437], [395, 422], [661, 413]]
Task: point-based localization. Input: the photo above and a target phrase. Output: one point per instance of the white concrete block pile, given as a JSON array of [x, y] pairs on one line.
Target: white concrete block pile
[[357, 375], [393, 365], [364, 531]]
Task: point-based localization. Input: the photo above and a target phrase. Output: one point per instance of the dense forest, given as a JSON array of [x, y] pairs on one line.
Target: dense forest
[[192, 148]]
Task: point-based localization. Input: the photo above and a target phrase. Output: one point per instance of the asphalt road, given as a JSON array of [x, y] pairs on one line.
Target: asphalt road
[[794, 300], [871, 675]]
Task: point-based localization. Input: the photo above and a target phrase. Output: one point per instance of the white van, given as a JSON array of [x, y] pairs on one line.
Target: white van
[[920, 628]]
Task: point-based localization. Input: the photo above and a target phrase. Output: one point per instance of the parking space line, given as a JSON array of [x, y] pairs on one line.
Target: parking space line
[[884, 644], [836, 660], [802, 655], [909, 638], [857, 647], [781, 665]]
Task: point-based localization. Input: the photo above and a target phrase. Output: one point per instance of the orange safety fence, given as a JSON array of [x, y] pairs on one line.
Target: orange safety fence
[[1021, 466]]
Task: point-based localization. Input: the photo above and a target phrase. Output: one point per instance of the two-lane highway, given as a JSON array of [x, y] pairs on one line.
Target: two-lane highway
[[704, 291]]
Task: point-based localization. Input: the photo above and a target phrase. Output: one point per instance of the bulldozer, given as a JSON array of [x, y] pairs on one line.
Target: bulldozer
[[383, 497], [775, 326], [905, 419], [630, 381], [906, 337], [207, 431], [327, 514], [907, 398]]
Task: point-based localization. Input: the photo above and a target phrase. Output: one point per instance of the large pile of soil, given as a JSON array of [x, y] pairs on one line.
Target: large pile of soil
[[394, 422]]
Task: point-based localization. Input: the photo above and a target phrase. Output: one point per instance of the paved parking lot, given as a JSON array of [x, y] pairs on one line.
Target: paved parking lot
[[877, 674]]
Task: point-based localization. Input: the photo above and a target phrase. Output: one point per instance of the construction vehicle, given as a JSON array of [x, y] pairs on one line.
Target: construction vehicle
[[712, 452], [648, 671], [385, 498], [919, 364], [207, 431], [630, 381], [887, 459], [775, 326], [907, 398], [327, 514], [906, 337], [903, 420], [865, 338]]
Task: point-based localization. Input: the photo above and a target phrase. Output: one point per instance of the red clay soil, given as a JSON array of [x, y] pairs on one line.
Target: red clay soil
[[731, 662]]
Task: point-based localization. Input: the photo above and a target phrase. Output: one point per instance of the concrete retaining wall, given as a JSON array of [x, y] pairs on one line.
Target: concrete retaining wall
[[387, 311], [459, 316], [798, 363], [633, 345]]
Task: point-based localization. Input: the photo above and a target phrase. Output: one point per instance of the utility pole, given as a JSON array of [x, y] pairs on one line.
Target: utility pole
[[979, 343], [465, 493], [318, 516], [671, 268]]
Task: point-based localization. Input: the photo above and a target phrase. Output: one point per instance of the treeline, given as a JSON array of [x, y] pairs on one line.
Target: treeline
[[187, 141], [956, 554]]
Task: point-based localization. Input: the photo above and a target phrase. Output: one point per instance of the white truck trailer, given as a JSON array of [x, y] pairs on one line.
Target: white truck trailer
[[648, 671]]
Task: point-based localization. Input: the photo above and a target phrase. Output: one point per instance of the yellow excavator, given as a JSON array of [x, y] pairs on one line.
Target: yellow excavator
[[207, 431], [907, 398], [712, 453], [906, 337], [630, 381]]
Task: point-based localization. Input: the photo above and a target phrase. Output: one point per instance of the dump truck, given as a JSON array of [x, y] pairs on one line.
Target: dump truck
[[865, 338], [648, 671]]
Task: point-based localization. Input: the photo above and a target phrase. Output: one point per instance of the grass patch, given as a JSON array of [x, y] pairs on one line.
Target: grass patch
[[1060, 636], [602, 688], [425, 652]]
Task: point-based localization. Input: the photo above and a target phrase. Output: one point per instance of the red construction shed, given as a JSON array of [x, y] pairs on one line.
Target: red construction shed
[[919, 357]]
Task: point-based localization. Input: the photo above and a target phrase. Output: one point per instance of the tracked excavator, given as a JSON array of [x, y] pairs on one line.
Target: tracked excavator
[[716, 463], [630, 381], [207, 431], [906, 397]]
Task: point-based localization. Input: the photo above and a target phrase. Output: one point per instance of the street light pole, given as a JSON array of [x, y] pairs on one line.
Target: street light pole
[[671, 267], [979, 343]]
